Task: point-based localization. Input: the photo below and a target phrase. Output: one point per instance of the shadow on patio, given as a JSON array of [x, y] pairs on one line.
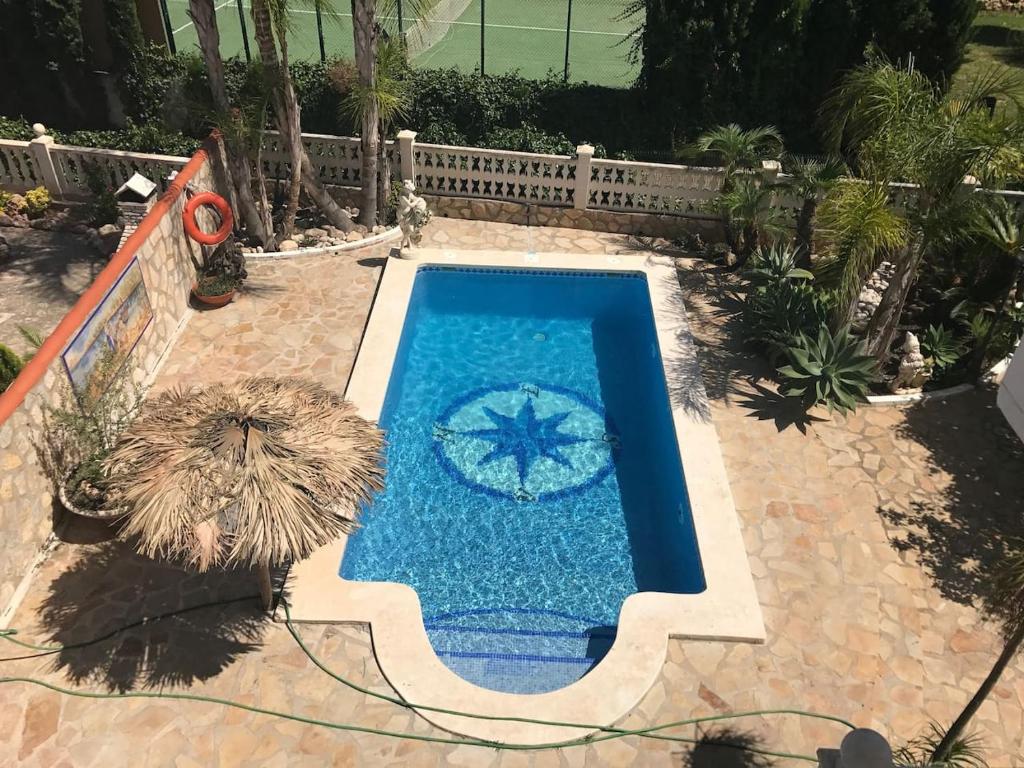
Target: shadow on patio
[[960, 533], [726, 747], [109, 587]]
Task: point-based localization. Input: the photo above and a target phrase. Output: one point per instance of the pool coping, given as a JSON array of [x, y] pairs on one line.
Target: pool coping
[[727, 610]]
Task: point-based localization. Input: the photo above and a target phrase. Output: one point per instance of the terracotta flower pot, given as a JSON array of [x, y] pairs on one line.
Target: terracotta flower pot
[[212, 301]]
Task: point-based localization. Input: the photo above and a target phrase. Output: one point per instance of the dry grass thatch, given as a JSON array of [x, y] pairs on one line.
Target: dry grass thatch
[[257, 472]]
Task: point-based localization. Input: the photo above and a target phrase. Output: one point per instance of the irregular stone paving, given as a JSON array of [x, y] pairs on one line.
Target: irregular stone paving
[[870, 538], [41, 280]]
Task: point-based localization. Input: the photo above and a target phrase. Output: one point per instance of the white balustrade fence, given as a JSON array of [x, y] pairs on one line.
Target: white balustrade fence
[[17, 171], [74, 165], [568, 181]]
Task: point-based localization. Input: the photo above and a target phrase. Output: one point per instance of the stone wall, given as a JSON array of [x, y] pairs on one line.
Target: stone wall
[[652, 225], [28, 511]]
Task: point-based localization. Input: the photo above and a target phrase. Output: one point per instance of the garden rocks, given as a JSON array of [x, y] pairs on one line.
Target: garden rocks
[[1003, 5], [315, 233], [5, 250], [871, 295], [354, 236], [288, 245]]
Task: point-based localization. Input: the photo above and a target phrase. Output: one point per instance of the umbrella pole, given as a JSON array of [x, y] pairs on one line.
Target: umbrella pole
[[263, 578]]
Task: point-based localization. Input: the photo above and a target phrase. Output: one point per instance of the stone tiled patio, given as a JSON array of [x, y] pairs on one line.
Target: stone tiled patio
[[869, 539]]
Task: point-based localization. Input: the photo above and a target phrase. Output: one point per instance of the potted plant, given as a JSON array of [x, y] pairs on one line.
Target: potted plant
[[80, 432], [219, 275]]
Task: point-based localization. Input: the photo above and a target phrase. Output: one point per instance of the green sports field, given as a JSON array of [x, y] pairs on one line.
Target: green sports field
[[524, 35]]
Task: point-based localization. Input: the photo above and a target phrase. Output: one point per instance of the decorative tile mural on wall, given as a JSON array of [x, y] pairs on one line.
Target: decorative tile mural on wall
[[110, 334]]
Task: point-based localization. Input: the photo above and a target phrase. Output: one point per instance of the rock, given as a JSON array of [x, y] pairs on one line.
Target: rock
[[107, 230], [109, 236], [334, 231], [354, 236], [288, 245], [5, 250], [259, 249], [315, 233], [15, 204], [6, 221]]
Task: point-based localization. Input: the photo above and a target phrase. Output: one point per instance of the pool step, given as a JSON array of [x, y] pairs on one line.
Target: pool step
[[519, 650]]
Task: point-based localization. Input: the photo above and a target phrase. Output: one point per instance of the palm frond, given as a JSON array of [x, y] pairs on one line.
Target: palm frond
[[258, 472]]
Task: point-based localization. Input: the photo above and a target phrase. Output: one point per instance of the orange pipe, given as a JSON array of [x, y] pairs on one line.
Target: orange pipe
[[55, 343]]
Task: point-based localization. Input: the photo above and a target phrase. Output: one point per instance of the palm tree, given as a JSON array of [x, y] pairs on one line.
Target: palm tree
[[271, 23], [238, 146], [858, 226], [256, 473], [739, 149], [390, 98], [810, 179], [367, 33], [896, 126], [750, 217], [1008, 602]]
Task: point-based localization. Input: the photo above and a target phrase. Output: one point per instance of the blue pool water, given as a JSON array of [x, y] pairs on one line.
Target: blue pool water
[[534, 479]]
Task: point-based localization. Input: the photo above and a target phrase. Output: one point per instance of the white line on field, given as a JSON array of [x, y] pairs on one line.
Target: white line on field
[[461, 23], [189, 24]]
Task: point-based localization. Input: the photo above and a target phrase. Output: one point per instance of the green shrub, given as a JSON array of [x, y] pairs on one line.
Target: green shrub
[[104, 208], [776, 315], [37, 202], [16, 129], [829, 369], [941, 347], [10, 366], [780, 305]]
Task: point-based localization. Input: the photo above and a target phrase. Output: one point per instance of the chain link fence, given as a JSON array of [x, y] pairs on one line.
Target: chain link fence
[[576, 40]]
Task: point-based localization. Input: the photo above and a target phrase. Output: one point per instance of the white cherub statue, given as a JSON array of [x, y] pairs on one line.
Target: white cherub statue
[[413, 215], [913, 371]]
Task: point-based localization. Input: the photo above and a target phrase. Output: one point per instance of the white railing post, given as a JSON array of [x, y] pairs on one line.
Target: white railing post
[[581, 193], [770, 170], [406, 150], [39, 148]]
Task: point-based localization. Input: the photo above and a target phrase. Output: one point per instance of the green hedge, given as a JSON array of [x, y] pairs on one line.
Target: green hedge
[[168, 114]]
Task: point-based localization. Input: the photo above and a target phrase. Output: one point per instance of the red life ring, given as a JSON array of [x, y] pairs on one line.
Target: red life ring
[[226, 220]]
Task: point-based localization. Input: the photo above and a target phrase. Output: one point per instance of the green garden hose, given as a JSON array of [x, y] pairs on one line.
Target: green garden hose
[[606, 732]]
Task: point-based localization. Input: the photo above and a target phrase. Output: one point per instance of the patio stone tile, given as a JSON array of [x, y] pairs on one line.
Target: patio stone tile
[[868, 537]]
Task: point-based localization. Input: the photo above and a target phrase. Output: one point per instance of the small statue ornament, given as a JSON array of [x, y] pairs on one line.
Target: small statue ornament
[[913, 371], [413, 215]]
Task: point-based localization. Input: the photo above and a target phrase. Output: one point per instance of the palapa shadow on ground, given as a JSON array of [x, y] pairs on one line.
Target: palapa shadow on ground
[[109, 587], [961, 534], [726, 747]]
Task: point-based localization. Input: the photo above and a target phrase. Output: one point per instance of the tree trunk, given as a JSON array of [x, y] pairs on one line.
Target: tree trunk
[[288, 119], [204, 19], [266, 589], [383, 175], [805, 231], [364, 33], [886, 319], [956, 730]]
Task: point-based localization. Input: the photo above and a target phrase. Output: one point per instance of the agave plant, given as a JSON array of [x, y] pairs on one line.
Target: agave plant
[[830, 369], [256, 473], [776, 262], [941, 347]]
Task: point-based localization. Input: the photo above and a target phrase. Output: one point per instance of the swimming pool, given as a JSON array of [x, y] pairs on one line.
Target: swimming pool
[[534, 477]]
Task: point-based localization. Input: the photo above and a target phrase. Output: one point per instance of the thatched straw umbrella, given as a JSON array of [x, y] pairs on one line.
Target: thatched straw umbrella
[[256, 473]]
